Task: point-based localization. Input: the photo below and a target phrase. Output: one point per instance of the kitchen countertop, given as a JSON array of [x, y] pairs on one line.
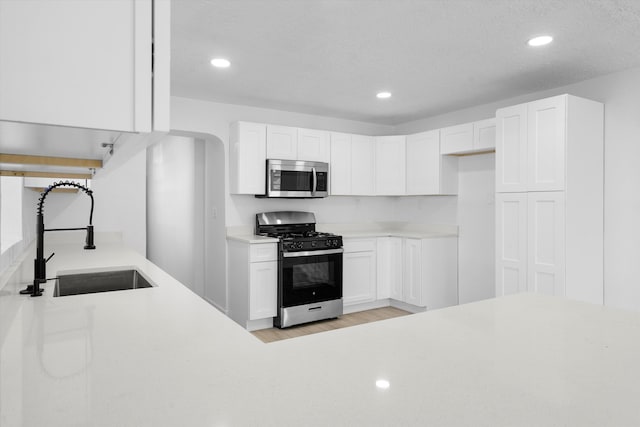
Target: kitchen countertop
[[163, 357], [360, 230]]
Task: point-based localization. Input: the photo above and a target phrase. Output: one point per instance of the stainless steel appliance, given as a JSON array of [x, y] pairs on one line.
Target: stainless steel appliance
[[309, 267], [296, 179]]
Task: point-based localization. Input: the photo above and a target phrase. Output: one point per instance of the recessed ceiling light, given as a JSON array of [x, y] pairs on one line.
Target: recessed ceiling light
[[382, 384], [540, 41], [383, 95], [220, 62]]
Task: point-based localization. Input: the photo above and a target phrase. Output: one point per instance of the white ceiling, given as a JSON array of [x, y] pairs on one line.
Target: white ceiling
[[330, 57]]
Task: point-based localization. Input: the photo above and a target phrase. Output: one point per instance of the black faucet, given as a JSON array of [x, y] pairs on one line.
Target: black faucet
[[39, 264]]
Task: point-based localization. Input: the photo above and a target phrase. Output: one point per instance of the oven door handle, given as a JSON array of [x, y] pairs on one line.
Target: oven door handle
[[312, 253]]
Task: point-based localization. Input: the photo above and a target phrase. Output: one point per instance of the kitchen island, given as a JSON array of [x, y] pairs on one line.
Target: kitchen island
[[162, 356]]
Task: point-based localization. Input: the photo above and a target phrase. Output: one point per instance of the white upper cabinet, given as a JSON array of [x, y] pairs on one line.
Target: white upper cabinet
[[468, 138], [511, 149], [456, 139], [390, 165], [340, 164], [313, 145], [247, 158], [363, 172], [546, 144], [86, 64], [531, 146], [484, 135], [427, 171], [282, 142]]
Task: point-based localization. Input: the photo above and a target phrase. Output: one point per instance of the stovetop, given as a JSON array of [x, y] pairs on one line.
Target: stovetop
[[296, 231], [300, 235]]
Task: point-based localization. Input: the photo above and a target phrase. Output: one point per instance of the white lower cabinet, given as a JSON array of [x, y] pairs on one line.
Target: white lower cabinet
[[530, 243], [511, 243], [359, 271], [419, 272], [412, 269], [263, 286], [253, 282], [546, 236]]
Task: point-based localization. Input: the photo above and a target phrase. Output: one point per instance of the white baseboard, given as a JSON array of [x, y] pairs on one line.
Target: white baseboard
[[255, 325], [366, 306], [407, 307]]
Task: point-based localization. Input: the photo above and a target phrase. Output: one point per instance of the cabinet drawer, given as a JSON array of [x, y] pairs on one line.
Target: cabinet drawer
[[359, 245], [263, 252]]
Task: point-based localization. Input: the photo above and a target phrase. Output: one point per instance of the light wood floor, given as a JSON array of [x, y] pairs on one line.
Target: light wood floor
[[344, 321]]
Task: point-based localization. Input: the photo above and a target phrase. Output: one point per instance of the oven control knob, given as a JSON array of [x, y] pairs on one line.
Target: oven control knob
[[313, 244]]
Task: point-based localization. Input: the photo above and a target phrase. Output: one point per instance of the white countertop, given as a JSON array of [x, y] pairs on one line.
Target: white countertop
[[361, 230], [163, 357]]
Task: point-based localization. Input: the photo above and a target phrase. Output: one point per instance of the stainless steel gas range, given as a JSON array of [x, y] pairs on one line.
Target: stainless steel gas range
[[309, 267]]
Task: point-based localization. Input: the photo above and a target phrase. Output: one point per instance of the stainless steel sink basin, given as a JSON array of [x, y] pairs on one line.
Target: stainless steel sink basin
[[102, 281]]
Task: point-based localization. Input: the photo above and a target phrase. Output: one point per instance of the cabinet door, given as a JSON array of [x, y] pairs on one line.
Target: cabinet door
[[359, 277], [76, 63], [313, 145], [412, 277], [546, 144], [511, 243], [363, 156], [282, 142], [439, 272], [340, 173], [390, 165], [389, 268], [247, 158], [511, 149], [546, 238], [423, 163], [484, 135], [456, 139], [263, 289], [396, 268]]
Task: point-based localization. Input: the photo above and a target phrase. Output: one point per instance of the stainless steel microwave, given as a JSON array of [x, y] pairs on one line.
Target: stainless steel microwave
[[296, 179]]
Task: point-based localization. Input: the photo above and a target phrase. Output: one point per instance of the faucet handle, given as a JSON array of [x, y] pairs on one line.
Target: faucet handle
[[50, 256]]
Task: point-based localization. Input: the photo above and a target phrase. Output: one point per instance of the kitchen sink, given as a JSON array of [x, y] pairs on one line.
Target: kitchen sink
[[101, 281]]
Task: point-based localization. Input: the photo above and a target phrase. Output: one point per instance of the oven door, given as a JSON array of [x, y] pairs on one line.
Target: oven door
[[308, 277]]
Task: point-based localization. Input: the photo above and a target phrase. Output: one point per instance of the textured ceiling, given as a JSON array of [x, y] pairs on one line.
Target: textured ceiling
[[330, 57]]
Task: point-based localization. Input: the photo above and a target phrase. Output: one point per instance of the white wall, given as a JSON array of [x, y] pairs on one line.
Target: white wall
[[175, 209], [29, 200], [620, 92], [120, 202], [476, 222], [11, 189]]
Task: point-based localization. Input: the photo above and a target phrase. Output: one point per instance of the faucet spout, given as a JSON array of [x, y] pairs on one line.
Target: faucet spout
[[40, 268]]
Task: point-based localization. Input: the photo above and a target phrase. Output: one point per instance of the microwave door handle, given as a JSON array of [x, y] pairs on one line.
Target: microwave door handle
[[314, 187]]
